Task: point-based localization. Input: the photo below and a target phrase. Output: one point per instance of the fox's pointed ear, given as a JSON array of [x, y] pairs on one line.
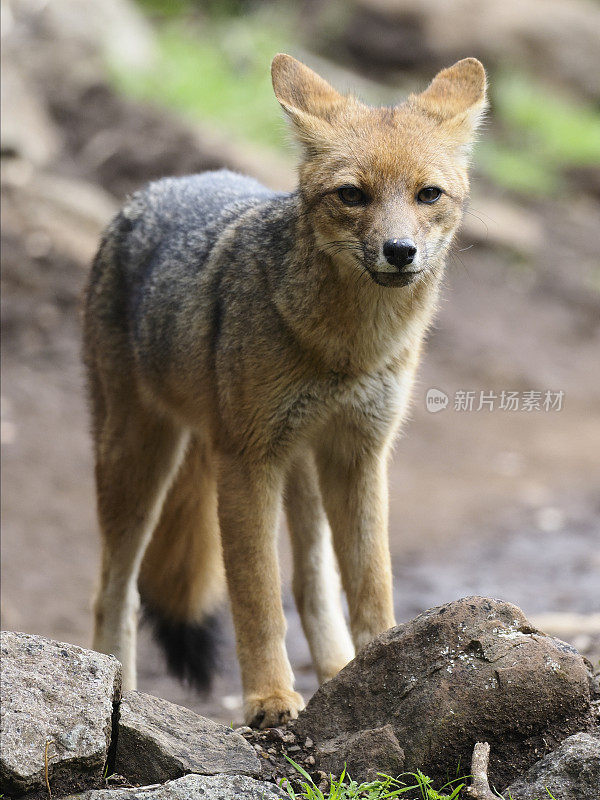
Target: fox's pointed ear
[[456, 98], [308, 100], [299, 89]]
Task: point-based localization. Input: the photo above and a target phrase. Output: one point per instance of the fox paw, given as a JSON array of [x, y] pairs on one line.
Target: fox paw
[[272, 710]]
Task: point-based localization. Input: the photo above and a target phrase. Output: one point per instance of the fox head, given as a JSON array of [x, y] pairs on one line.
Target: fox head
[[384, 187]]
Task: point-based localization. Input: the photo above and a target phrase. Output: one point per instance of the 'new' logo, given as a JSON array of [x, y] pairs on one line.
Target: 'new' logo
[[435, 400]]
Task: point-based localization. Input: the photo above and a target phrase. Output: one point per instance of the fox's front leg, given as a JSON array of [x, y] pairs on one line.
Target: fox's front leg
[[249, 501], [354, 486]]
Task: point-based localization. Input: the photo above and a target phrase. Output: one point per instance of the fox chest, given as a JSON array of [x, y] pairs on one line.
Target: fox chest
[[310, 410]]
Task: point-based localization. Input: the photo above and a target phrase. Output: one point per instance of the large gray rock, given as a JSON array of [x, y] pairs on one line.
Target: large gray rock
[[158, 741], [193, 787], [58, 693], [571, 772], [472, 670]]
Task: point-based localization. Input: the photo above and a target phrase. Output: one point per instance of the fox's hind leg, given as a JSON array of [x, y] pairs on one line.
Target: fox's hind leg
[[182, 580], [137, 455], [316, 581]]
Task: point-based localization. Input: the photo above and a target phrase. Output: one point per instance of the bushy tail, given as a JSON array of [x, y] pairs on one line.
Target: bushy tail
[[182, 578]]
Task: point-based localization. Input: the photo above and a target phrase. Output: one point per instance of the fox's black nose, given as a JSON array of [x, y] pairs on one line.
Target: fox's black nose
[[399, 252]]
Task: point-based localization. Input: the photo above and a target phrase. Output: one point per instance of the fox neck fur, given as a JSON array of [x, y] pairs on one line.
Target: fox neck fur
[[345, 321]]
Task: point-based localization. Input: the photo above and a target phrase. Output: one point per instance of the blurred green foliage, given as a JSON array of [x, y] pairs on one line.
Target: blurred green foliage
[[542, 134], [177, 8], [213, 65], [216, 68], [166, 8]]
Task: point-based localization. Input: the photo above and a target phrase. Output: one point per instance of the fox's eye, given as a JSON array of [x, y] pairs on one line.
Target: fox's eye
[[429, 194], [352, 195]]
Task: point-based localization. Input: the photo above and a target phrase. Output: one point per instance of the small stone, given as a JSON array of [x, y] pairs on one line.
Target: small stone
[[294, 748], [308, 742], [310, 760], [571, 772], [116, 780], [193, 787], [159, 741], [365, 753]]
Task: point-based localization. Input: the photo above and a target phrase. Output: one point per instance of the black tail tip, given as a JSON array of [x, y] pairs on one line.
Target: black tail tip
[[190, 648]]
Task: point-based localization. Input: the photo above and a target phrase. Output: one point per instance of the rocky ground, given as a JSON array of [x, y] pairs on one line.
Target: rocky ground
[[492, 502], [420, 696]]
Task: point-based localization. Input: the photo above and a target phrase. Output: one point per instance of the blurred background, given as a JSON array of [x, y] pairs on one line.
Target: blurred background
[[100, 96]]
